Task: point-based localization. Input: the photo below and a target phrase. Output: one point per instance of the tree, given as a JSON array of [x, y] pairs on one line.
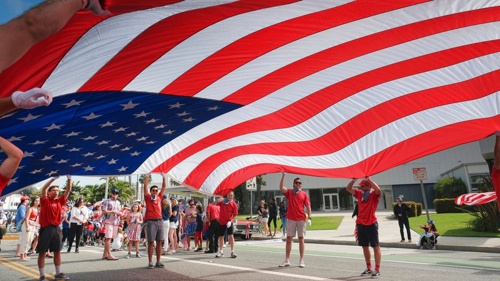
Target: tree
[[449, 187]]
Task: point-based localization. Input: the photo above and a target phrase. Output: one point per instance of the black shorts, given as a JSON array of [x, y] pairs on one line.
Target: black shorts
[[49, 239], [221, 230], [368, 235]]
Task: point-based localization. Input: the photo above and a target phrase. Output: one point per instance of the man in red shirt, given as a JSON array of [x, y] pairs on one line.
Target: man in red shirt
[[51, 208], [228, 213], [366, 223], [213, 214], [297, 200], [495, 170], [154, 219]]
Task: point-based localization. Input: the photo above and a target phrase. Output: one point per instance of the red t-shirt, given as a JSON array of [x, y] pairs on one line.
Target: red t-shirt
[[495, 180], [366, 210], [227, 211], [214, 212], [153, 207], [296, 204], [3, 182], [51, 211]]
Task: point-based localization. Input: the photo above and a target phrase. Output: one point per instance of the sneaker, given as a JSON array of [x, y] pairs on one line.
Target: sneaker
[[219, 255], [159, 265], [61, 276], [285, 264], [375, 274], [137, 255], [150, 266], [302, 264], [366, 272], [409, 240], [42, 278], [128, 256], [402, 240], [233, 255]]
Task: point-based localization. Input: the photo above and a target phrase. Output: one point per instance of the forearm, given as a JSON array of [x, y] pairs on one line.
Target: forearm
[[38, 23], [282, 183], [349, 186]]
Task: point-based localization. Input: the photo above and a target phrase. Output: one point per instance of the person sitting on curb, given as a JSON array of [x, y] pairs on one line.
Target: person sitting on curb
[[429, 236]]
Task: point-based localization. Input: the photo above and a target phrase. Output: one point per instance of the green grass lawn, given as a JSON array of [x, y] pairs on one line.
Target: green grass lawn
[[450, 224], [318, 223]]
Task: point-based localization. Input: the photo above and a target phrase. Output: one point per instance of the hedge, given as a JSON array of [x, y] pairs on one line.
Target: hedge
[[447, 205]]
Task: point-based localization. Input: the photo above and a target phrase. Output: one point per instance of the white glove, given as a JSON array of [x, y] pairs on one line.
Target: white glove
[[309, 222], [228, 224], [33, 98]]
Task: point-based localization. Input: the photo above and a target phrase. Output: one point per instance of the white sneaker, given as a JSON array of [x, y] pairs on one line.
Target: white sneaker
[[285, 264], [302, 264], [219, 255]]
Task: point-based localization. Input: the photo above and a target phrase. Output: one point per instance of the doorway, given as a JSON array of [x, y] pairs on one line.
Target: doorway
[[331, 202]]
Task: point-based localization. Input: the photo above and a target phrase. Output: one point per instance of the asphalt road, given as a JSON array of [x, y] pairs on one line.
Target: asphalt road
[[259, 260]]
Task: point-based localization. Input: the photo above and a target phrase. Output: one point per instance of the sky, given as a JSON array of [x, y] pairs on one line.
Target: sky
[[10, 9]]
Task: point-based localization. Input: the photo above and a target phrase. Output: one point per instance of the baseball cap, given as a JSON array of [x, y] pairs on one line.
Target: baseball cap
[[430, 221], [212, 199], [364, 183], [115, 191], [24, 198]]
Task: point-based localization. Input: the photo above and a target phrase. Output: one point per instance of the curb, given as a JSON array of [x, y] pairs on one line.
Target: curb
[[10, 237]]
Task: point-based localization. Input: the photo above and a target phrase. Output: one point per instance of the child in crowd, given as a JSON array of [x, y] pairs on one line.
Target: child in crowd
[[198, 235], [134, 220], [102, 232], [90, 232]]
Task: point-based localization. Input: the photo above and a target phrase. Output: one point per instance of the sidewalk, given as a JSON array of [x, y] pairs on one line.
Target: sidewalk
[[389, 235]]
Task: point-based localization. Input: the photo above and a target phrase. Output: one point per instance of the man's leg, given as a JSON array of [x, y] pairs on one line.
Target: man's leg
[[400, 222], [288, 248], [408, 231], [150, 251], [158, 250], [41, 263], [367, 255], [378, 257], [301, 247]]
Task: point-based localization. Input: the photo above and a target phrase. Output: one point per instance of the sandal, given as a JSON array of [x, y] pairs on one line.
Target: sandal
[[112, 259], [48, 256]]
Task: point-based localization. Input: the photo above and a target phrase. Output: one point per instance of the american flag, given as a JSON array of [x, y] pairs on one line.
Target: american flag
[[216, 92], [476, 198]]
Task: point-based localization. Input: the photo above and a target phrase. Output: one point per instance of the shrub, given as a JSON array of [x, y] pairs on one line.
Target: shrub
[[449, 187]]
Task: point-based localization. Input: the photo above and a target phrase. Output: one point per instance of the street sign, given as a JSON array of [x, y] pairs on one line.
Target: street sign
[[419, 174], [252, 184]]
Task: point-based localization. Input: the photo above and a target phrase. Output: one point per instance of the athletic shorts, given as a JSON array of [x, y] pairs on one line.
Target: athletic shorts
[[221, 230], [49, 239], [368, 235], [154, 230], [111, 231], [295, 228]]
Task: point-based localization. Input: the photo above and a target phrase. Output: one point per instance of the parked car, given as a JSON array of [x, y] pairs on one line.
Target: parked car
[[240, 229]]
